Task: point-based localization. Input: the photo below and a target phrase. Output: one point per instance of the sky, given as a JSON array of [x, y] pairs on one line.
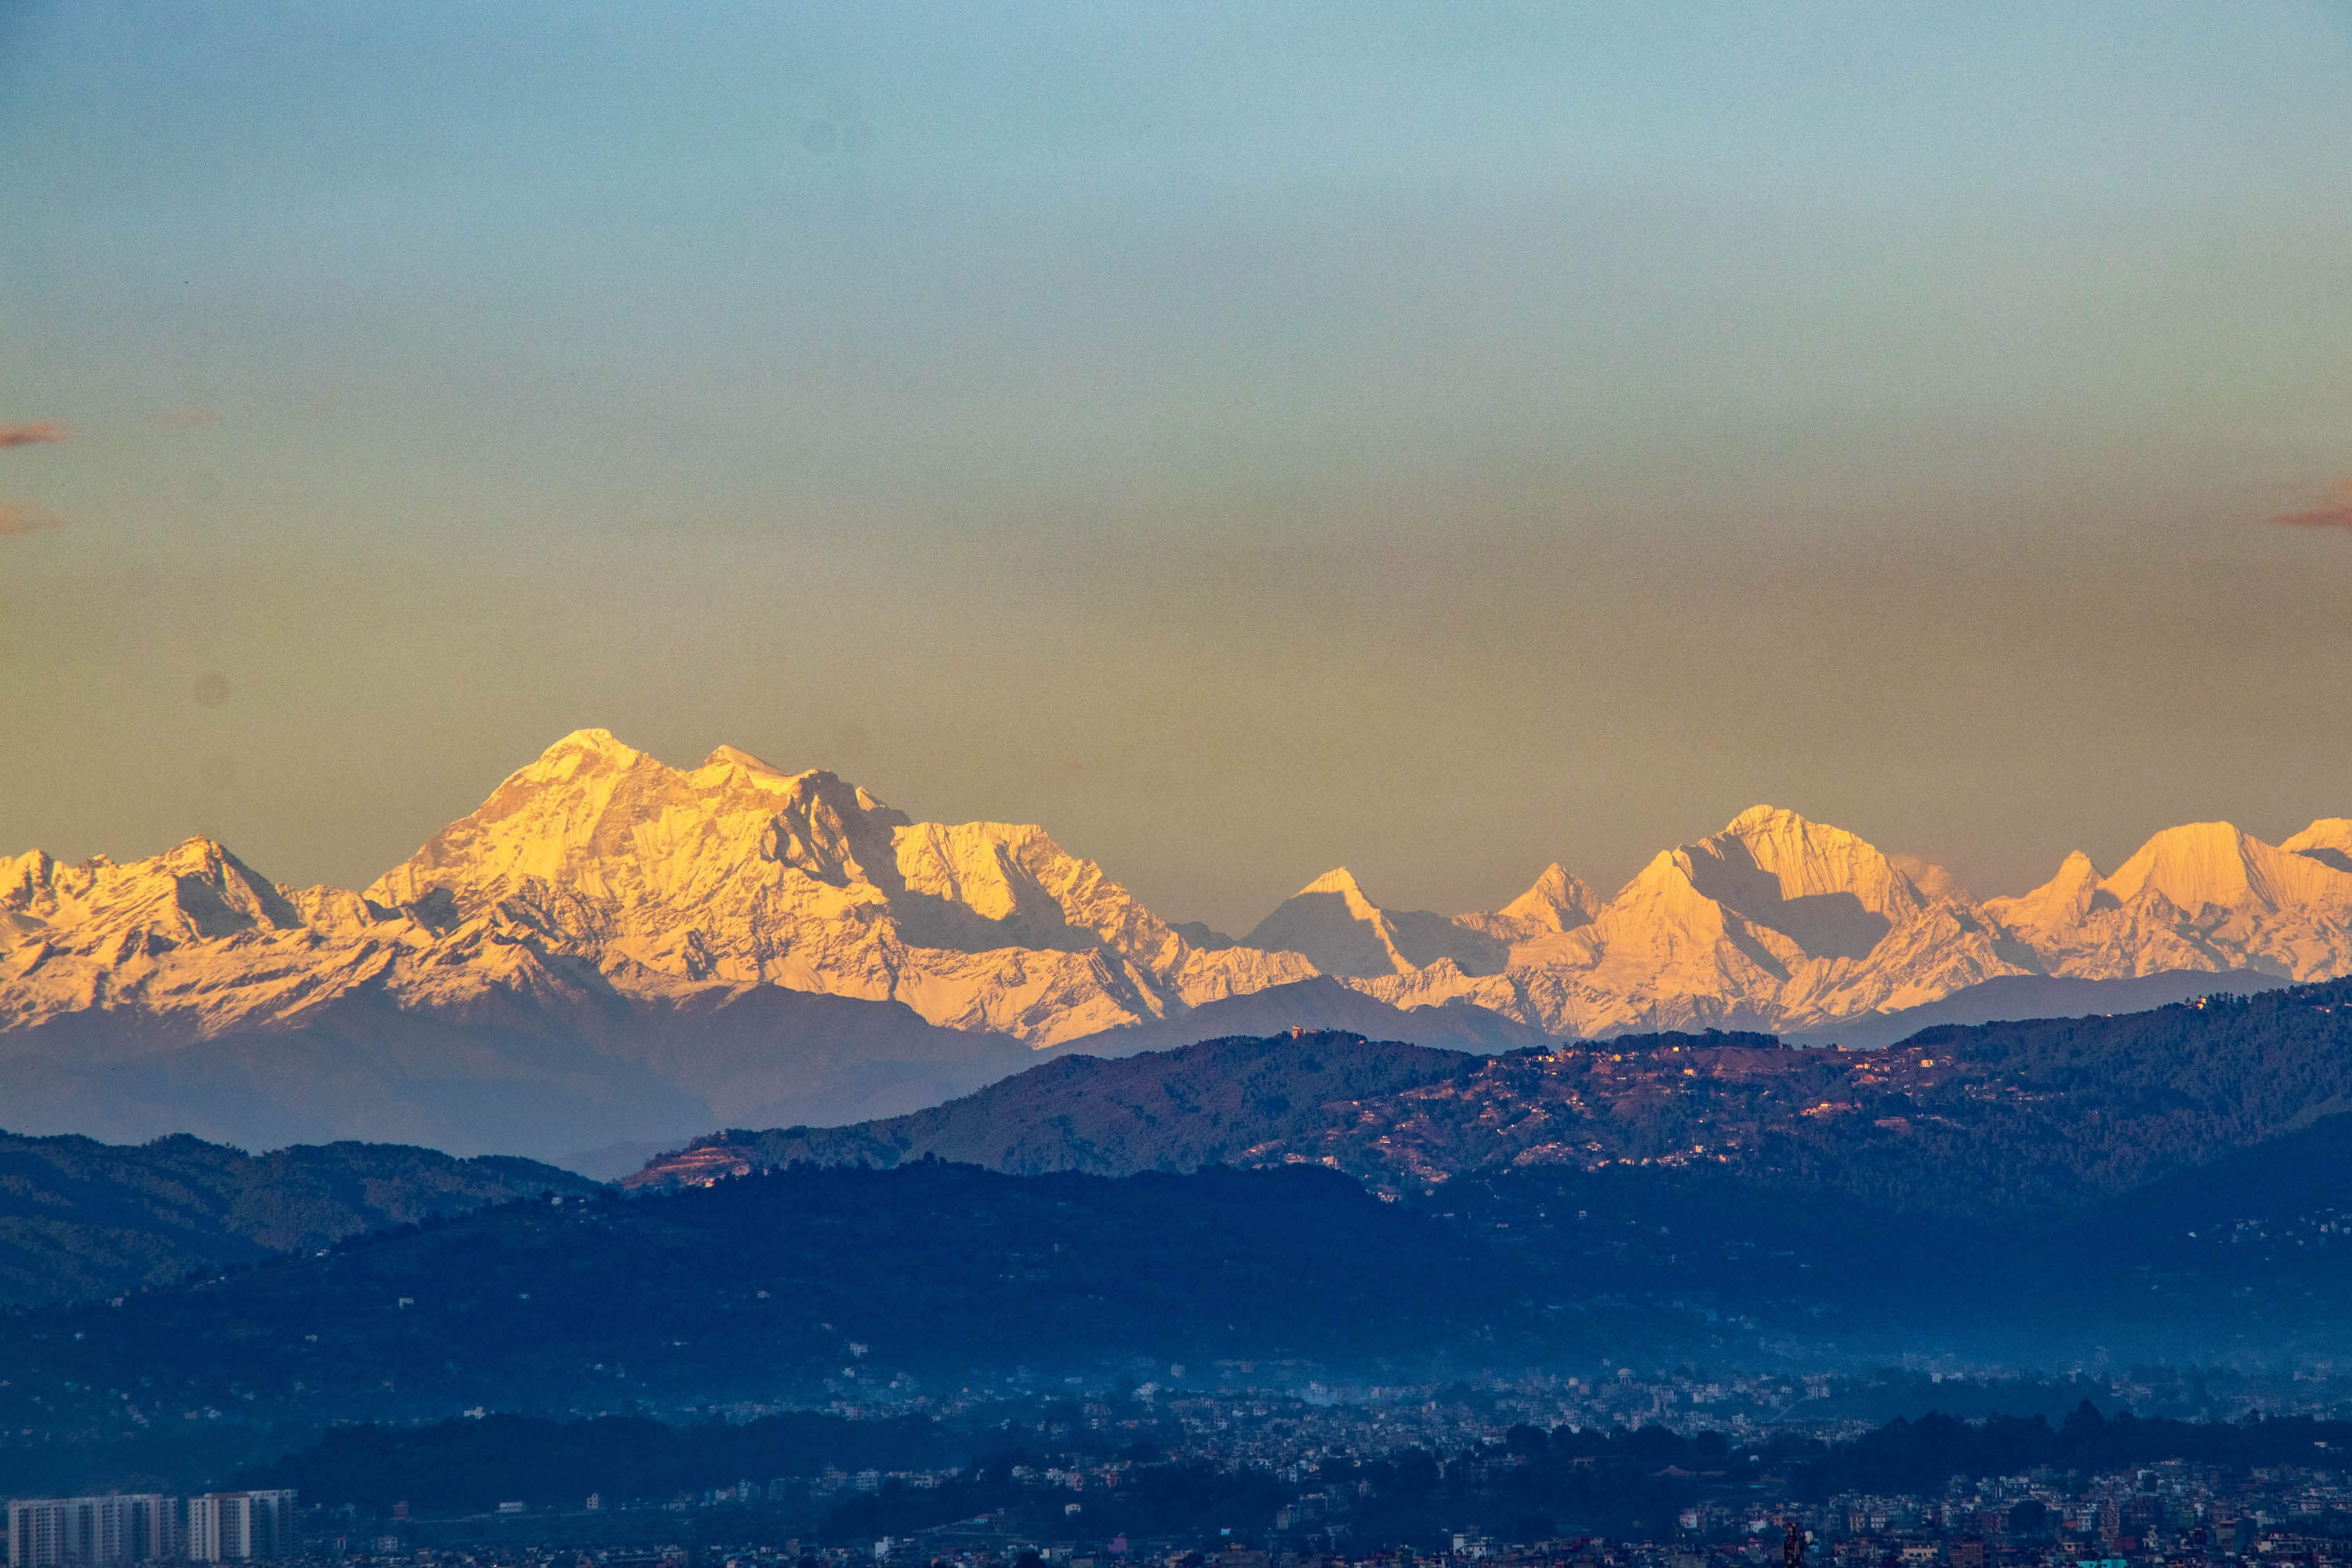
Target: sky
[[1250, 439]]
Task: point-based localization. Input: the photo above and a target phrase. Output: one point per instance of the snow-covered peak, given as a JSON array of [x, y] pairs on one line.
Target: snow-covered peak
[[612, 826], [1764, 819], [1807, 859], [2328, 841], [2202, 865], [21, 874], [204, 872], [2194, 864], [1334, 925], [1342, 881], [598, 869], [194, 891], [735, 757], [1661, 894], [582, 748], [737, 872], [1559, 900], [2056, 905], [1828, 890]]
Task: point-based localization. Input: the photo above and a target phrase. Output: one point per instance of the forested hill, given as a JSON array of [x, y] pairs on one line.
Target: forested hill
[[1220, 1101], [80, 1218], [2034, 1120], [841, 1283]]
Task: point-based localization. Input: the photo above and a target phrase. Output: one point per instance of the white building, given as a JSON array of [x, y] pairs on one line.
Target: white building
[[239, 1527], [52, 1532]]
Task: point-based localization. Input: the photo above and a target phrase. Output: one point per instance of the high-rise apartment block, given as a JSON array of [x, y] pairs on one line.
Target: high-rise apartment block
[[237, 1526], [143, 1527], [50, 1532]]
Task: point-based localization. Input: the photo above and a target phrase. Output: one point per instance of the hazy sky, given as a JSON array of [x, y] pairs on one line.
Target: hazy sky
[[1437, 439]]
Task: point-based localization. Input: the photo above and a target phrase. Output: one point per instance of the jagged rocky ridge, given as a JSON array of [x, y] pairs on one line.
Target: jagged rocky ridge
[[640, 912]]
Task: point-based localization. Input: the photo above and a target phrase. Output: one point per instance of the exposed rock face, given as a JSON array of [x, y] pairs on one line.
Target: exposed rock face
[[608, 897]]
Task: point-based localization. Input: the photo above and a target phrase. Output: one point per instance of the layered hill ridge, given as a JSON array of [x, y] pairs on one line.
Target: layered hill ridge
[[80, 1219], [2004, 1123], [677, 925]]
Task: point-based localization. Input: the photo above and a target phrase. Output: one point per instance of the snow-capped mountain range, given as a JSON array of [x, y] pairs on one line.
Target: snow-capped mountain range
[[599, 885], [599, 867]]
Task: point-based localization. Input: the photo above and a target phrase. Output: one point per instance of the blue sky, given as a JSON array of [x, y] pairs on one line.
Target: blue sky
[[1247, 439]]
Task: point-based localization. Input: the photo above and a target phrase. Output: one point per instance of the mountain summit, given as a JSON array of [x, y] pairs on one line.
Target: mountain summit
[[599, 864], [1334, 925], [757, 937], [1780, 922], [2204, 896], [738, 873]]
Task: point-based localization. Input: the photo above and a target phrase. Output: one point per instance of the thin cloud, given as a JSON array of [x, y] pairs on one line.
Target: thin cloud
[[187, 418], [2333, 513], [19, 519], [45, 433]]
